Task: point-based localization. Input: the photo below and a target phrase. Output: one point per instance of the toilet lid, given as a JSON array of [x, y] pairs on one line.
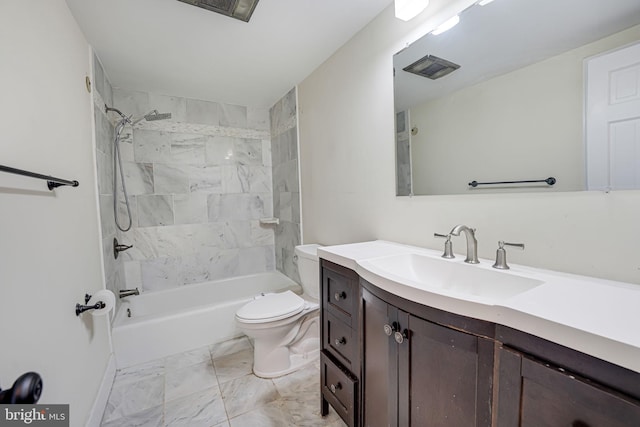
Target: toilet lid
[[271, 307]]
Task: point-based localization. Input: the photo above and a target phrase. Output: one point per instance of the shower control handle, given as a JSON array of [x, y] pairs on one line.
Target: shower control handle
[[335, 387], [340, 341], [340, 295]]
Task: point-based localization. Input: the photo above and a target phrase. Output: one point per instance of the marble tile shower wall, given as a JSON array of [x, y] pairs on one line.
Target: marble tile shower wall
[[403, 154], [198, 185], [104, 133], [286, 186]]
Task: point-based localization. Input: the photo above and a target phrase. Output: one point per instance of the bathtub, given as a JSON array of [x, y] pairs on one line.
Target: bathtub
[[191, 316]]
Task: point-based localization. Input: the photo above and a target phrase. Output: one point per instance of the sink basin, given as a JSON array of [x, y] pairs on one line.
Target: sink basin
[[450, 277]]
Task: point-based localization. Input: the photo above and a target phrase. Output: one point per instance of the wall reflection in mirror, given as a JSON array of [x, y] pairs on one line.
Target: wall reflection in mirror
[[517, 106]]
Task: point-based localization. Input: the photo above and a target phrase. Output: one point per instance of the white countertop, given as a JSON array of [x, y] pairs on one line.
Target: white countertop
[[595, 316]]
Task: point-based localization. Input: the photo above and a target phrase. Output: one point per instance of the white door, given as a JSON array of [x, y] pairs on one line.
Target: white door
[[613, 120]]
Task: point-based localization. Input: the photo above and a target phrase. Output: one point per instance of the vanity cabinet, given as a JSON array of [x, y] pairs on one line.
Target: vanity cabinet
[[388, 361], [340, 350], [417, 372], [532, 392]]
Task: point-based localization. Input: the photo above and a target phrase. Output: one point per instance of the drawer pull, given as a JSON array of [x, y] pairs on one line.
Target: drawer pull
[[340, 295], [335, 387], [390, 329], [341, 341]]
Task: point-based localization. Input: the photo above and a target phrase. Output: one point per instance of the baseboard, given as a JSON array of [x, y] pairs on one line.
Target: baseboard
[[99, 405]]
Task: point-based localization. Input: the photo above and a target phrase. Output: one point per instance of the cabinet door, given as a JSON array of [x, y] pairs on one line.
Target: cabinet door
[[445, 376], [534, 394], [379, 376]]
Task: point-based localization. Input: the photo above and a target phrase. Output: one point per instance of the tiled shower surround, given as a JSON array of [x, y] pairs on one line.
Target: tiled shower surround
[[104, 133], [286, 186], [403, 154], [198, 185]]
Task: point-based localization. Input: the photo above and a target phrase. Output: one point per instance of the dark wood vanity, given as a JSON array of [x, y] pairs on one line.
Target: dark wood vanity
[[388, 361]]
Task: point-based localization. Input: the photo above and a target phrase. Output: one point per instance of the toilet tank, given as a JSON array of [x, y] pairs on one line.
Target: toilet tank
[[309, 270]]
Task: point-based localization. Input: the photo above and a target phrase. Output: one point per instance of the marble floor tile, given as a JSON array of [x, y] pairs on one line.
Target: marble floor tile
[[188, 358], [304, 408], [201, 409], [247, 393], [139, 372], [269, 415], [213, 387], [299, 382], [189, 379], [152, 417], [133, 397], [234, 365], [229, 347]]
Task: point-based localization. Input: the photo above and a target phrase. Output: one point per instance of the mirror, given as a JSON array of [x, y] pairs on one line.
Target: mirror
[[514, 109]]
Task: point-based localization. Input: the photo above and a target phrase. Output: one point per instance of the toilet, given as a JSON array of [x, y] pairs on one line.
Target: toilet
[[285, 327]]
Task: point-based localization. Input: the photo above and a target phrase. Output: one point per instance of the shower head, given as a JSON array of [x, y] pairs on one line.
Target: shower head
[[151, 116], [154, 115]]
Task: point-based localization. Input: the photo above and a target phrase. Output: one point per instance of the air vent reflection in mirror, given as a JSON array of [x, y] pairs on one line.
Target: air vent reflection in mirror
[[432, 67]]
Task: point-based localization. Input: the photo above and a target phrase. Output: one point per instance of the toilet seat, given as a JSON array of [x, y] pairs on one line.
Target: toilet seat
[[271, 307]]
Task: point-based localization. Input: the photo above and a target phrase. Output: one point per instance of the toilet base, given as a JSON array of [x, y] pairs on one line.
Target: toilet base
[[298, 361], [280, 350]]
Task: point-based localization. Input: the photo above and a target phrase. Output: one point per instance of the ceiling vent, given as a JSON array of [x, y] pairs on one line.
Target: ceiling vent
[[239, 9], [431, 67]]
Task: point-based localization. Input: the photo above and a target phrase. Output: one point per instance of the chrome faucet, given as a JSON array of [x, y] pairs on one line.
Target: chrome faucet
[[128, 292], [472, 243]]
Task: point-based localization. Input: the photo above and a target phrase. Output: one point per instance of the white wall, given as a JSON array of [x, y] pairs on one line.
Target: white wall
[[49, 241], [348, 184], [541, 138]]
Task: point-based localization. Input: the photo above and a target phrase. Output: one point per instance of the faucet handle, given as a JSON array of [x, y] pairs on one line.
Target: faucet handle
[[501, 254], [448, 247], [514, 245]]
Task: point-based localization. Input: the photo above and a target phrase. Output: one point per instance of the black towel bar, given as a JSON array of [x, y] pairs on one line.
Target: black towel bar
[[52, 182], [551, 180]]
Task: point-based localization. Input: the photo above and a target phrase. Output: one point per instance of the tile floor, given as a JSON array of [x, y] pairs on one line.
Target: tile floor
[[214, 387]]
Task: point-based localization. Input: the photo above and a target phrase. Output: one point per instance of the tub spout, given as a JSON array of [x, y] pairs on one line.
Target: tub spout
[[128, 292]]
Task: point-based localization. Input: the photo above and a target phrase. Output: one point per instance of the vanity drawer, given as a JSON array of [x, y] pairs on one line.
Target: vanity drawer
[[339, 389], [339, 340], [340, 294]]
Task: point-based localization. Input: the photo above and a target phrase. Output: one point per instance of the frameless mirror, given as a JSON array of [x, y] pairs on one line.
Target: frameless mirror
[[514, 109]]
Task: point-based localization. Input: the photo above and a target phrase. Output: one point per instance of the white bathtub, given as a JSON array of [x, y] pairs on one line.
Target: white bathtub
[[191, 316]]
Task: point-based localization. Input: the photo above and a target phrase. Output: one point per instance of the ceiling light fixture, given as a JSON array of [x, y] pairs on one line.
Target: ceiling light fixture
[[409, 9], [447, 25], [484, 2], [239, 9]]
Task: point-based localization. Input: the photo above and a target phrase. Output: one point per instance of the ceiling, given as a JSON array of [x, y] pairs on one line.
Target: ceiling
[[172, 48], [504, 36]]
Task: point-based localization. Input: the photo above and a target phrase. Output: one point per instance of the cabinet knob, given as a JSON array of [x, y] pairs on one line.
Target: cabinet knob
[[341, 341], [335, 387], [401, 336], [340, 295], [390, 329]]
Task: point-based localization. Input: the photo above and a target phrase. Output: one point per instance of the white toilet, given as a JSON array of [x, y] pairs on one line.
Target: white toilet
[[285, 327]]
